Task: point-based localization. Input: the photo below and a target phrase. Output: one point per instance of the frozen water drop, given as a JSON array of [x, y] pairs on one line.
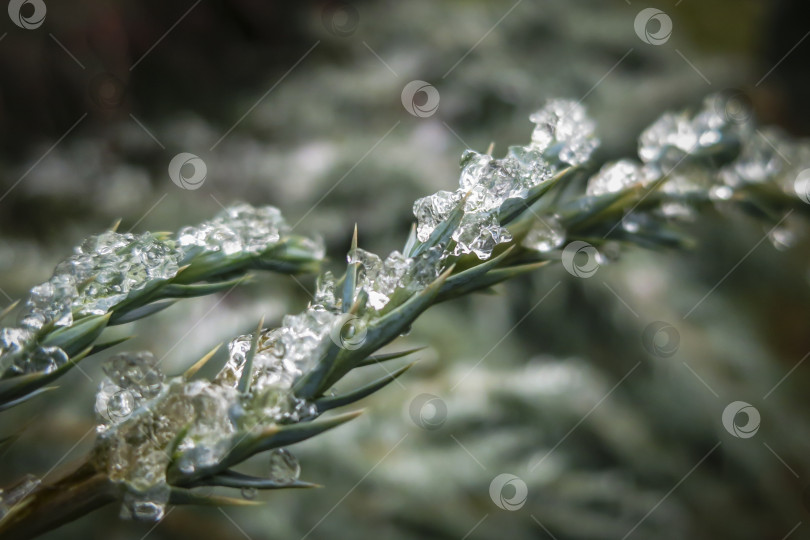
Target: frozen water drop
[[615, 177], [284, 467], [546, 234], [563, 128]]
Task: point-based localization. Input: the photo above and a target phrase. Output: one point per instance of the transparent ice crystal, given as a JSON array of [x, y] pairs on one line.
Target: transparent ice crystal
[[326, 294], [382, 278], [142, 413], [108, 268], [563, 133], [563, 129], [673, 136], [615, 177], [545, 234], [240, 228], [20, 354], [284, 468], [762, 158], [432, 210], [104, 269]]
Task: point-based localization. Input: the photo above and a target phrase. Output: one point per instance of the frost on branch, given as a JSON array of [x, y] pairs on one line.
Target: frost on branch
[[148, 421], [109, 268], [563, 135]]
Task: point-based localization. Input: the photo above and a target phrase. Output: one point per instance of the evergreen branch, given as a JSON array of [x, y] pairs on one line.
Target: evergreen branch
[[536, 206]]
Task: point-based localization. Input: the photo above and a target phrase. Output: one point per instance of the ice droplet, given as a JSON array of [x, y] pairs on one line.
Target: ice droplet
[[761, 159], [563, 133], [284, 467], [432, 210], [563, 129], [673, 136], [238, 228], [615, 177], [546, 234]]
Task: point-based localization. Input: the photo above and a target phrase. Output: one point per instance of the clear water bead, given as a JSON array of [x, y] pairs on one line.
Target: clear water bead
[[545, 234], [284, 467]]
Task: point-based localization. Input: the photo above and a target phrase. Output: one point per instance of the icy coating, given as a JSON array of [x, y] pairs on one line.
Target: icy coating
[[240, 228], [563, 135], [546, 234], [381, 278], [108, 268], [617, 176], [563, 129], [673, 136], [145, 419], [672, 147]]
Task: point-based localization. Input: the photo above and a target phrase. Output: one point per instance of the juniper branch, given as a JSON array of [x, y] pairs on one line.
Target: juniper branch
[[115, 278], [508, 218]]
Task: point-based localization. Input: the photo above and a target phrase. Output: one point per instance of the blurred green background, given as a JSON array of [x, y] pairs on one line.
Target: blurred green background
[[298, 105]]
